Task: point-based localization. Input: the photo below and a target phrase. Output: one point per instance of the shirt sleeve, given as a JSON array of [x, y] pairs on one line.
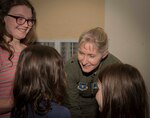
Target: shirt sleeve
[[72, 97]]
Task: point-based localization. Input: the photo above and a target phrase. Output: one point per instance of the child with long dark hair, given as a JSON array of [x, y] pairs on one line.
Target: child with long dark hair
[[122, 93], [17, 24], [40, 84]]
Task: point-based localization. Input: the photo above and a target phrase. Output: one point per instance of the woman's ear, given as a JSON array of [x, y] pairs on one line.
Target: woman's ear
[[105, 53]]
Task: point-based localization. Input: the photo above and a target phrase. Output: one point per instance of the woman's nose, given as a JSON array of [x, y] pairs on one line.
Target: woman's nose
[[84, 60]]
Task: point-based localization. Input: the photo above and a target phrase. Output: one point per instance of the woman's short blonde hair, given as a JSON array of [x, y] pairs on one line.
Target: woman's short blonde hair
[[96, 35]]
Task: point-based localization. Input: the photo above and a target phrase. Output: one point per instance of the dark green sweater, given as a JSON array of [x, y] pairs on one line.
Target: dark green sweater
[[82, 103]]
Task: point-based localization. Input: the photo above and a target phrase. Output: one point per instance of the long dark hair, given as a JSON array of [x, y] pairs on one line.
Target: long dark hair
[[5, 7], [39, 79], [124, 92]]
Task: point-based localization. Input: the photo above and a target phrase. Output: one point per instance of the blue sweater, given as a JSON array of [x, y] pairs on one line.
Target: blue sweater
[[58, 111]]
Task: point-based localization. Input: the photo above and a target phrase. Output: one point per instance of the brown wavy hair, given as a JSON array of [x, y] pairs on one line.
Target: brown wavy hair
[[40, 78], [5, 7]]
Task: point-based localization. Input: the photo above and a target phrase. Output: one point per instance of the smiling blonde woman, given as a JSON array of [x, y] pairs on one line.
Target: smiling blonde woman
[[82, 70]]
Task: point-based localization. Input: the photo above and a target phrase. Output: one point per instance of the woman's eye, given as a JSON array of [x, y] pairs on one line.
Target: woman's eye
[[81, 53], [92, 56], [20, 18]]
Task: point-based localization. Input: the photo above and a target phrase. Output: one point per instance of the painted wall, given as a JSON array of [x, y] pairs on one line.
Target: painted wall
[[67, 19], [127, 23]]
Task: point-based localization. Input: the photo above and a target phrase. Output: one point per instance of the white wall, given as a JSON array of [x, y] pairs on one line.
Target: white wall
[[127, 23]]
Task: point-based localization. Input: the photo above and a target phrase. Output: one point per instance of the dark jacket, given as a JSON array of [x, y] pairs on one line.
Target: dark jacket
[[82, 88]]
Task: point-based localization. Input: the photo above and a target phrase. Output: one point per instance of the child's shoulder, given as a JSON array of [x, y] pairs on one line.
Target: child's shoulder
[[60, 110]]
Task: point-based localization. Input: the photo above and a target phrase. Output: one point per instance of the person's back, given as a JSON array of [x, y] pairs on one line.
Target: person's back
[[40, 84], [122, 93]]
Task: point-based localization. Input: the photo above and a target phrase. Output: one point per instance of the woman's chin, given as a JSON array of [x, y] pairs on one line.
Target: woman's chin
[[87, 70]]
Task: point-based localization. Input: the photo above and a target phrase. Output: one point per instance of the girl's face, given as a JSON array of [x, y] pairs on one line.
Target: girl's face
[[88, 56], [12, 27], [99, 97]]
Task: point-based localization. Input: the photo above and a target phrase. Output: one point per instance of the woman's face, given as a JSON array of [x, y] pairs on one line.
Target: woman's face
[[18, 31], [88, 56], [99, 97]]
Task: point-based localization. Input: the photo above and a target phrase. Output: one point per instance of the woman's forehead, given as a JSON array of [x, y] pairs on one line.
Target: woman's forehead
[[88, 45]]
